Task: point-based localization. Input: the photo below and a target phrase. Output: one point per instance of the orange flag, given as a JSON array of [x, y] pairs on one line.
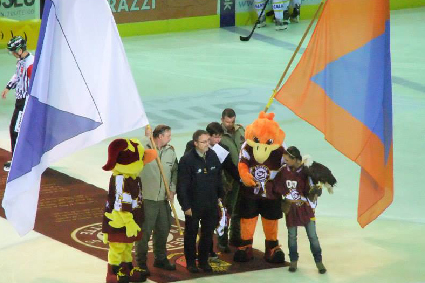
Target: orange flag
[[342, 86]]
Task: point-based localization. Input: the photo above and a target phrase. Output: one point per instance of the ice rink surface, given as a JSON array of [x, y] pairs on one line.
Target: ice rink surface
[[185, 80]]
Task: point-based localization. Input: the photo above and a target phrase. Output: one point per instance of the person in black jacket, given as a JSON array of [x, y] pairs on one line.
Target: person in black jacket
[[199, 188], [215, 130]]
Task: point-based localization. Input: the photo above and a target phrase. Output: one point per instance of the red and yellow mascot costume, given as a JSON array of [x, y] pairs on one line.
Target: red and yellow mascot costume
[[261, 157], [123, 212]]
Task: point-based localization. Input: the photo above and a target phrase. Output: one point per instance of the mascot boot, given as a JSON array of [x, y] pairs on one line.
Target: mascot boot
[[244, 252], [116, 274], [136, 274], [274, 253]]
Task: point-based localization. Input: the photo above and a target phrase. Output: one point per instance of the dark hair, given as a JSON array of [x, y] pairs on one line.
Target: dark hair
[[197, 134], [214, 128], [228, 112], [294, 152], [160, 129]]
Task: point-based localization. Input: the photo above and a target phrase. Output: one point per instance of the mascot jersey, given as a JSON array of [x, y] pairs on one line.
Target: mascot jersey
[[124, 195], [294, 186], [263, 173]]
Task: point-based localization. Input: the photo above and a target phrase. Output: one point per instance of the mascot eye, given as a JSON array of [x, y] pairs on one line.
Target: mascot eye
[[256, 140], [269, 142]]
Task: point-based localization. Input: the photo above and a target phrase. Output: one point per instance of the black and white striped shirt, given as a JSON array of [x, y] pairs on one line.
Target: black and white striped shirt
[[21, 79]]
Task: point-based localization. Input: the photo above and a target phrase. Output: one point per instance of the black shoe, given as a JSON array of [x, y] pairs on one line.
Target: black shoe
[[224, 249], [321, 268], [192, 268], [206, 267], [213, 255], [164, 264], [145, 269], [293, 266]]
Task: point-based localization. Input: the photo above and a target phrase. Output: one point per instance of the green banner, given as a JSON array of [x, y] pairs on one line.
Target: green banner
[[20, 9]]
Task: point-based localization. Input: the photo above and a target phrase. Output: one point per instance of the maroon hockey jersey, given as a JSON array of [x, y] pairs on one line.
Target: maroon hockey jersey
[[294, 186], [125, 194], [263, 173]]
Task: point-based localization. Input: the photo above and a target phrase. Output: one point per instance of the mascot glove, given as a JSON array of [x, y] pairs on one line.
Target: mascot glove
[[121, 219], [116, 219], [248, 180], [105, 238], [246, 177], [131, 229]]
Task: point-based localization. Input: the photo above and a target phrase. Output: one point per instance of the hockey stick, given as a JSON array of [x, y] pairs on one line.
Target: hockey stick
[[246, 38]]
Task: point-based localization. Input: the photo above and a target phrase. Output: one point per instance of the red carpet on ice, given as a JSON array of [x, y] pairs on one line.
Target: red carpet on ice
[[70, 211]]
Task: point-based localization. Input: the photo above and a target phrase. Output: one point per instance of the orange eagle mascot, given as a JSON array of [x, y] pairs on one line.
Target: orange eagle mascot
[[260, 158]]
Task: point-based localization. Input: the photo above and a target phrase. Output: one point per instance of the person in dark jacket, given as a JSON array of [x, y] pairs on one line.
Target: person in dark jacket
[[199, 188], [215, 130], [233, 138]]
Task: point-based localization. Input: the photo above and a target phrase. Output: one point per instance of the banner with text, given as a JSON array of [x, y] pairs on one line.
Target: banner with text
[[247, 5], [20, 9], [129, 11]]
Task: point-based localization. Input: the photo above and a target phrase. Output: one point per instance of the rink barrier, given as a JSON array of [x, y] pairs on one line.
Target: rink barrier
[[31, 28]]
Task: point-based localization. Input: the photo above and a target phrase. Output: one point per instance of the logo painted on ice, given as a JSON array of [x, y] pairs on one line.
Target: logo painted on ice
[[92, 236]]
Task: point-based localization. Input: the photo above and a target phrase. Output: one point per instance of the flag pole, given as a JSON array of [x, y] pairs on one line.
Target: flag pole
[[167, 187], [271, 99]]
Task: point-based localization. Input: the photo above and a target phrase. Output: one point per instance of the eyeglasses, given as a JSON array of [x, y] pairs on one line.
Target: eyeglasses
[[203, 142]]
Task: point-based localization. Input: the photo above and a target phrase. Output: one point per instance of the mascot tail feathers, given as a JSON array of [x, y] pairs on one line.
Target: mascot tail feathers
[[149, 156]]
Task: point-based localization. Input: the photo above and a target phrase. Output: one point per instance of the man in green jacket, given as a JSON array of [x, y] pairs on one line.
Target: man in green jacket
[[155, 202], [233, 138]]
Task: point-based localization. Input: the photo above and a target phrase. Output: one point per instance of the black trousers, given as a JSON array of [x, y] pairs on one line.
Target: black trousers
[[208, 220], [15, 123]]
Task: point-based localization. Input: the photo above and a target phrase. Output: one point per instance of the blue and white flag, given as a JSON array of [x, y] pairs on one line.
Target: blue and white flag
[[81, 92]]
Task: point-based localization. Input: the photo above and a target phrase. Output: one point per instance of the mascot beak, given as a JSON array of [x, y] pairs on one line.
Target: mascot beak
[[262, 151]]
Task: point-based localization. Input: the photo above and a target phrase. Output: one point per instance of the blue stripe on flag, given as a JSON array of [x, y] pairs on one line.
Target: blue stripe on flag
[[360, 82], [47, 128]]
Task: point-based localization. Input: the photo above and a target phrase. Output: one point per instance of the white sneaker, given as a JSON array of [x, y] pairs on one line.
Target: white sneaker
[[295, 19], [280, 25], [262, 22]]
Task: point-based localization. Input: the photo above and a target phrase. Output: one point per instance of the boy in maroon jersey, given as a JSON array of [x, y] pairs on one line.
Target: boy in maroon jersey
[[293, 183]]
